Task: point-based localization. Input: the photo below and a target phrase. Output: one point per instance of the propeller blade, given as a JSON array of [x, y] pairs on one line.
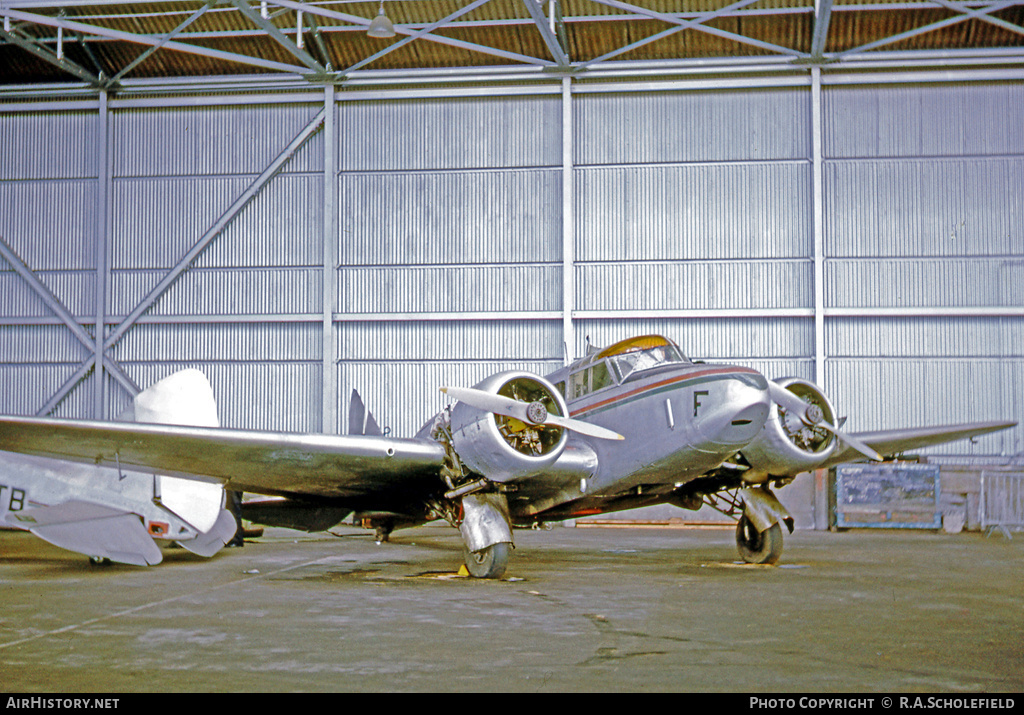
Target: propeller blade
[[792, 403], [498, 404], [583, 427], [853, 442]]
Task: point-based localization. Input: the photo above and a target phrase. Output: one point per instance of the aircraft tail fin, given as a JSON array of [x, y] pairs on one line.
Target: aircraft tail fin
[[184, 398], [91, 529], [360, 420]]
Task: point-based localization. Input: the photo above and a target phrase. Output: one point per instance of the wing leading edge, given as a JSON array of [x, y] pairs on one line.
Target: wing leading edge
[[343, 468], [890, 443]]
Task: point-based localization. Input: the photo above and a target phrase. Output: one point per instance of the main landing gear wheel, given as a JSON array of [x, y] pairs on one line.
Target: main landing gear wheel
[[758, 547], [490, 562]]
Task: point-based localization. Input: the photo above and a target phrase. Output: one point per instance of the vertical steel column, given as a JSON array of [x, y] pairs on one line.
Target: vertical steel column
[[103, 203], [330, 238], [568, 222], [817, 179]]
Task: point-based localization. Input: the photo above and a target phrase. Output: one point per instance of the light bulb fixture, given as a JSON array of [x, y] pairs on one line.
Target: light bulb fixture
[[381, 25]]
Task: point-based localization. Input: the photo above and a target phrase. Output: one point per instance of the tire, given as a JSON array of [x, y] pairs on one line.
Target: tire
[[758, 547], [490, 562]]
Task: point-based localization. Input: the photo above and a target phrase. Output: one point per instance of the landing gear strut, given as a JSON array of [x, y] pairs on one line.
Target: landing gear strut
[[487, 533]]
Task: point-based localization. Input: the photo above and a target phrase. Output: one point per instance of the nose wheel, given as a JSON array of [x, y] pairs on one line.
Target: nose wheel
[[758, 547], [489, 562]]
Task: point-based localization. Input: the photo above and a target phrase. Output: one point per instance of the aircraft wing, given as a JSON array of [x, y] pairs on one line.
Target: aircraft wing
[[346, 469], [890, 443]]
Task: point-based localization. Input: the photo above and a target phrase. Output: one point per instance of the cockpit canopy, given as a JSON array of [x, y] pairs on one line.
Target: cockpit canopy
[[616, 364], [641, 353]]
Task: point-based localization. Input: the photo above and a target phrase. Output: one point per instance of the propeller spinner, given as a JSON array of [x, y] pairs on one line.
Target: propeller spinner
[[533, 413]]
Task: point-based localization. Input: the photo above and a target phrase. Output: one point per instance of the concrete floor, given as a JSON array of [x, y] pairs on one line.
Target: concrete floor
[[609, 609]]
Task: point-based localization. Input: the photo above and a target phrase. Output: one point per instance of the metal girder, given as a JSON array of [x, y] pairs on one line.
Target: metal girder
[[173, 33], [558, 52], [57, 308], [983, 16], [46, 54], [822, 19], [418, 34], [150, 40], [193, 253], [696, 24], [356, 20], [300, 54], [966, 15]]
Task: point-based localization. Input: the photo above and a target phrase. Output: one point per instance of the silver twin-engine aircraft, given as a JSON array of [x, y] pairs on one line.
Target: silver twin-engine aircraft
[[632, 425]]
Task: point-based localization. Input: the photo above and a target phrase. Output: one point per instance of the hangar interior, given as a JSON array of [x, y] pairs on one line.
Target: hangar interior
[[829, 190]]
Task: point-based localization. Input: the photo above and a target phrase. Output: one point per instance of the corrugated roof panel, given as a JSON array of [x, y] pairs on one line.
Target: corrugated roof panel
[[454, 289], [730, 211], [211, 141], [926, 207], [50, 225], [694, 285], [667, 127], [48, 145], [222, 291], [449, 218], [929, 120], [500, 132], [728, 339], [245, 342], [922, 282], [449, 340]]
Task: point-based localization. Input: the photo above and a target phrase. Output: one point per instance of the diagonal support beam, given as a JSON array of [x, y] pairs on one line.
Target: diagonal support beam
[[275, 33], [696, 23], [983, 15], [554, 47], [822, 19], [978, 13], [57, 308], [418, 34], [150, 40], [451, 42], [219, 225], [45, 53]]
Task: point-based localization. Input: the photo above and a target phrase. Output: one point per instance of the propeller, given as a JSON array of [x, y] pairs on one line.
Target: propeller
[[532, 413], [812, 415]]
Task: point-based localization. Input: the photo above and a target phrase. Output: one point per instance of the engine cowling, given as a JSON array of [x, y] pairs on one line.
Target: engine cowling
[[787, 445], [503, 448]]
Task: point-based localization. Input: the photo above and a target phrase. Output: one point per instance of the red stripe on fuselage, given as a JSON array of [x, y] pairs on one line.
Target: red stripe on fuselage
[[662, 383]]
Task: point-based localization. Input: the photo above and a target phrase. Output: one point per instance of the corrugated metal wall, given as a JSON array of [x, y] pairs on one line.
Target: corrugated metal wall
[[924, 189], [692, 216]]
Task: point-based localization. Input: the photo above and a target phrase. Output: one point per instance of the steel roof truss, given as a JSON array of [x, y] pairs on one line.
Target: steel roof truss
[[984, 16], [554, 46], [418, 34], [275, 33], [30, 45], [822, 19], [356, 20], [138, 60], [149, 40], [680, 24], [966, 14]]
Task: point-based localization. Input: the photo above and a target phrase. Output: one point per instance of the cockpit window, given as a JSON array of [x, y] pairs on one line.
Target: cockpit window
[[643, 353], [593, 378], [629, 363]]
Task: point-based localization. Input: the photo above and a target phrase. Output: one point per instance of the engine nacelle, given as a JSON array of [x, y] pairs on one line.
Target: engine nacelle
[[503, 448], [787, 445]]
